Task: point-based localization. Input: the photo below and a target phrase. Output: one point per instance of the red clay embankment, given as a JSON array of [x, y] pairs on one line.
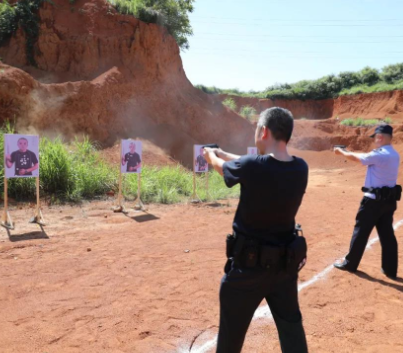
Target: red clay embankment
[[111, 76], [369, 105]]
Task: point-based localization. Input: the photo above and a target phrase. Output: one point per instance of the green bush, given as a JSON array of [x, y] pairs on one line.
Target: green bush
[[247, 112], [363, 122], [172, 14], [349, 79], [369, 76], [393, 73], [24, 14], [378, 87], [230, 103], [8, 22]]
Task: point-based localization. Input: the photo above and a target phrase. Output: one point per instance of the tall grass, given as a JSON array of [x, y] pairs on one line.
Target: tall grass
[[76, 171], [175, 184]]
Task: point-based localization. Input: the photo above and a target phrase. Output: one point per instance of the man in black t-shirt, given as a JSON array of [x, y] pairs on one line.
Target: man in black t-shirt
[[25, 160], [201, 163], [272, 187], [132, 159]]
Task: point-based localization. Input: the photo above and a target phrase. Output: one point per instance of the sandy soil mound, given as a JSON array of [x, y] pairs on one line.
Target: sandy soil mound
[[109, 76]]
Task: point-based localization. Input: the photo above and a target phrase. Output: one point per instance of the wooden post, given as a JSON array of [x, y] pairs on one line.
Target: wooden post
[[140, 206], [119, 207], [195, 198], [38, 206], [120, 189], [139, 186], [207, 186], [38, 217], [6, 221]]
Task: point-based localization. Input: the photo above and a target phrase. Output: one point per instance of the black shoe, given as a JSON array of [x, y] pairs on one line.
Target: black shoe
[[344, 266], [388, 275]]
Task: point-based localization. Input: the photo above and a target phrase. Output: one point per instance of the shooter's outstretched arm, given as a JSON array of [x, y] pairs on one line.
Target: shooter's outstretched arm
[[212, 158], [349, 155], [226, 156]]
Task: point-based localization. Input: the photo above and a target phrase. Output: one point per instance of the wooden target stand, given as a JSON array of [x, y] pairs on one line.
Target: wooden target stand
[[195, 198], [7, 221], [139, 205]]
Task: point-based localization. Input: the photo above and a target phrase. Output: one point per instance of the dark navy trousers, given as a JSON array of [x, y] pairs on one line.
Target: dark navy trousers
[[372, 214], [242, 290]]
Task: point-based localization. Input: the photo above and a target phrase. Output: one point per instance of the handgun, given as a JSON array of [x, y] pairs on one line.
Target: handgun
[[211, 145]]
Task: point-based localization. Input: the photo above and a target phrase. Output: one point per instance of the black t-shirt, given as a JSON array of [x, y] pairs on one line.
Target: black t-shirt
[[132, 159], [201, 162], [271, 193], [23, 160]]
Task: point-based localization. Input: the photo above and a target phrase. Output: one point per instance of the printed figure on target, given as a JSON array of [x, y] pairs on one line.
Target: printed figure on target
[[24, 161]]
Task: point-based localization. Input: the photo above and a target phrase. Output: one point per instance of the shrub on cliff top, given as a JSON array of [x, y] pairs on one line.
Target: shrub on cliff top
[[8, 22], [230, 103], [23, 14], [172, 14]]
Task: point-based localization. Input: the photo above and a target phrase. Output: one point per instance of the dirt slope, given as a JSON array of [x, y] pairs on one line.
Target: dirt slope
[[371, 105], [110, 76]]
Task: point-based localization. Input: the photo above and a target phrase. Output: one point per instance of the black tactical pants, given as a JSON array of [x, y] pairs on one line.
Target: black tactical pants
[[241, 293], [372, 214]]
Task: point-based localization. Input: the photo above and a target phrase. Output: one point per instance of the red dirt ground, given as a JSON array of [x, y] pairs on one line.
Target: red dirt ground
[[96, 281]]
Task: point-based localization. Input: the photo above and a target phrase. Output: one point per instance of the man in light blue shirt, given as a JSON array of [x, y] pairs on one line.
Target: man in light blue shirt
[[379, 202]]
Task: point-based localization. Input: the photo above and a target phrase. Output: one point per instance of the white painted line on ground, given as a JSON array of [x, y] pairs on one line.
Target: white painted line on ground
[[264, 311]]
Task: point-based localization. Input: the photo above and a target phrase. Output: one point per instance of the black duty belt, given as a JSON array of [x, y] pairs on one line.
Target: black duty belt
[[250, 252], [385, 193]]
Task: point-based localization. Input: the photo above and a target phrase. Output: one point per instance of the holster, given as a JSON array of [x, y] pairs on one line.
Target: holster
[[296, 255]]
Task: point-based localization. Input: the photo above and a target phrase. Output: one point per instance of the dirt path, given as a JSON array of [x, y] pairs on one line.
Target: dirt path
[[103, 282]]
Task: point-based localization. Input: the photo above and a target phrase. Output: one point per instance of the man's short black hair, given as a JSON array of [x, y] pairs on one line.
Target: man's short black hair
[[279, 121]]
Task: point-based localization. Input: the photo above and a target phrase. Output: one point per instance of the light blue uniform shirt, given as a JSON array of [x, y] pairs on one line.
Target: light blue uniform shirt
[[383, 166]]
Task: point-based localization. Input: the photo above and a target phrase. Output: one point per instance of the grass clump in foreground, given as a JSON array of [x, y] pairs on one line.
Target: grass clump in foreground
[[76, 171], [364, 122]]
